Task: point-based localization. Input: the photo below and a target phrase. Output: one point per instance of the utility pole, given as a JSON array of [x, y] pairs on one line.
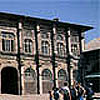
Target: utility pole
[[18, 56], [37, 59]]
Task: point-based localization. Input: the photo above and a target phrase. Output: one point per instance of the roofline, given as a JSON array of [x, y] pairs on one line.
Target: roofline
[[90, 50], [83, 28]]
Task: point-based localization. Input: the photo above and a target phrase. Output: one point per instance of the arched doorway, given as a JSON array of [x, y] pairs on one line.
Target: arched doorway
[[46, 80], [62, 77], [30, 81], [9, 81]]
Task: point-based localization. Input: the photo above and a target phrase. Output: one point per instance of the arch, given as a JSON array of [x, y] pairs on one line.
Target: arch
[[62, 74], [62, 77], [30, 81], [9, 80], [46, 80], [46, 74], [59, 37]]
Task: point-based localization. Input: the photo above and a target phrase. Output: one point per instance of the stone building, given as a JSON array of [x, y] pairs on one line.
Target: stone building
[[90, 64], [37, 54]]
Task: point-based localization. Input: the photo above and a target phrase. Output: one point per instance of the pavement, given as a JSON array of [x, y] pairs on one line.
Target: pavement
[[96, 96], [24, 97]]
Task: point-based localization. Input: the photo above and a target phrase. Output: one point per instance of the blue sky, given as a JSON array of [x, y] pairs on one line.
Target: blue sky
[[86, 12]]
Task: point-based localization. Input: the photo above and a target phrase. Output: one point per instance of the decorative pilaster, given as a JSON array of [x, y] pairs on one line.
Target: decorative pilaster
[[68, 53], [19, 29], [81, 41], [53, 55], [37, 58]]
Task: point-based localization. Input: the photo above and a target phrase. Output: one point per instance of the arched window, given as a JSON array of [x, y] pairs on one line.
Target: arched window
[[59, 37], [28, 45], [30, 74], [60, 49], [45, 47], [46, 74], [44, 35], [62, 74], [7, 41]]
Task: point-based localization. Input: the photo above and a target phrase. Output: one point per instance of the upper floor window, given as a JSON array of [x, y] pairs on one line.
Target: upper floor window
[[28, 45], [7, 41], [59, 37], [46, 74], [28, 33], [60, 49], [75, 38], [74, 47], [45, 47], [62, 74], [44, 35]]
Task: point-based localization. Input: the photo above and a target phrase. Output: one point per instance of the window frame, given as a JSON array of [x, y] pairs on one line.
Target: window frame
[[8, 41], [48, 76], [45, 47], [28, 45]]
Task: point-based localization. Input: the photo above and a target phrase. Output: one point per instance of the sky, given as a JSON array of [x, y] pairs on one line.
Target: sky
[[85, 12]]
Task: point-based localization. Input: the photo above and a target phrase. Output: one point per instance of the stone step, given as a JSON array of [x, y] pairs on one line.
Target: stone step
[[24, 97]]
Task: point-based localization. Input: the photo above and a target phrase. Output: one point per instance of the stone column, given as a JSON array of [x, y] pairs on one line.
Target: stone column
[[19, 33], [68, 53], [82, 41], [54, 65], [22, 77], [37, 57], [41, 89], [0, 79]]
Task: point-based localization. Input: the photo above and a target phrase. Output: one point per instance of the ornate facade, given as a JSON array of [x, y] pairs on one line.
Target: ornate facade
[[37, 54]]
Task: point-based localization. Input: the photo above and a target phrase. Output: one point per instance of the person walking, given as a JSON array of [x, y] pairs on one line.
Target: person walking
[[80, 91], [89, 91], [74, 91], [67, 94]]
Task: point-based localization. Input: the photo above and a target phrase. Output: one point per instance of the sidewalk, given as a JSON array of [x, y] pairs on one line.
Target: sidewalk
[[24, 97], [96, 96]]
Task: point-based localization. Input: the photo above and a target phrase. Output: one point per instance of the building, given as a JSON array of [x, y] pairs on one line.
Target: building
[[37, 54], [90, 62]]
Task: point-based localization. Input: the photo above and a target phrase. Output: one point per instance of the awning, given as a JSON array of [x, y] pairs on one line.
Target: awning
[[93, 75]]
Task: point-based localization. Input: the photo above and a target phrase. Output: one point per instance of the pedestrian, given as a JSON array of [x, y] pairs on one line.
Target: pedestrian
[[67, 94], [89, 91], [80, 91], [51, 94], [56, 93], [74, 91]]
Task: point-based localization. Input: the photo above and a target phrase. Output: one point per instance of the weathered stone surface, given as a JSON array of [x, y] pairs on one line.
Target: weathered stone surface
[[24, 97]]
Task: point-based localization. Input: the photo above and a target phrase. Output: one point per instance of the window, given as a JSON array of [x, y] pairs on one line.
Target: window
[[59, 37], [28, 45], [74, 47], [44, 35], [45, 47], [60, 49], [7, 41], [30, 74], [62, 74], [28, 32], [46, 74], [75, 38]]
